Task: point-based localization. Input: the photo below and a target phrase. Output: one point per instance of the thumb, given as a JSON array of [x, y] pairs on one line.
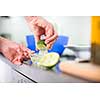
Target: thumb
[[37, 38]]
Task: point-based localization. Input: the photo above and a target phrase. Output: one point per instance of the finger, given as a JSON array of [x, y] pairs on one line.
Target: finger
[[26, 55], [17, 62], [49, 46], [29, 18], [37, 38], [49, 31], [26, 52], [16, 58], [54, 37], [25, 49], [19, 50], [11, 54], [52, 42], [49, 34]]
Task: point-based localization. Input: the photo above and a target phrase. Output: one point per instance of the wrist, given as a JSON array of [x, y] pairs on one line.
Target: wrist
[[0, 43], [2, 40], [31, 18]]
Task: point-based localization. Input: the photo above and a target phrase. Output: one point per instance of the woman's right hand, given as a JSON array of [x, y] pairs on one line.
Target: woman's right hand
[[40, 26]]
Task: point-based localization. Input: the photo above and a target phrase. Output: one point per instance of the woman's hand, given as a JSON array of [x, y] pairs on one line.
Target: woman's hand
[[40, 26], [14, 52]]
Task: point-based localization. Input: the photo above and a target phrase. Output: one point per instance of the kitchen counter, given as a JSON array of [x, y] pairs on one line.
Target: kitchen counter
[[33, 74]]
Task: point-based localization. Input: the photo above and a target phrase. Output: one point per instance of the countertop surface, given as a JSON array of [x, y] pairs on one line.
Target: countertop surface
[[36, 75]]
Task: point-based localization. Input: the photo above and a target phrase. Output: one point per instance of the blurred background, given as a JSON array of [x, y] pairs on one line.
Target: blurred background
[[77, 28]]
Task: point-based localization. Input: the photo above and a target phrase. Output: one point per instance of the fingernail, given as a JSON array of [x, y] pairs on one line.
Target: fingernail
[[47, 41]]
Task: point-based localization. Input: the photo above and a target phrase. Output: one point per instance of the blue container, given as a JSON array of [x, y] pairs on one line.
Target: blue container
[[59, 44], [57, 47], [63, 40], [31, 42]]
